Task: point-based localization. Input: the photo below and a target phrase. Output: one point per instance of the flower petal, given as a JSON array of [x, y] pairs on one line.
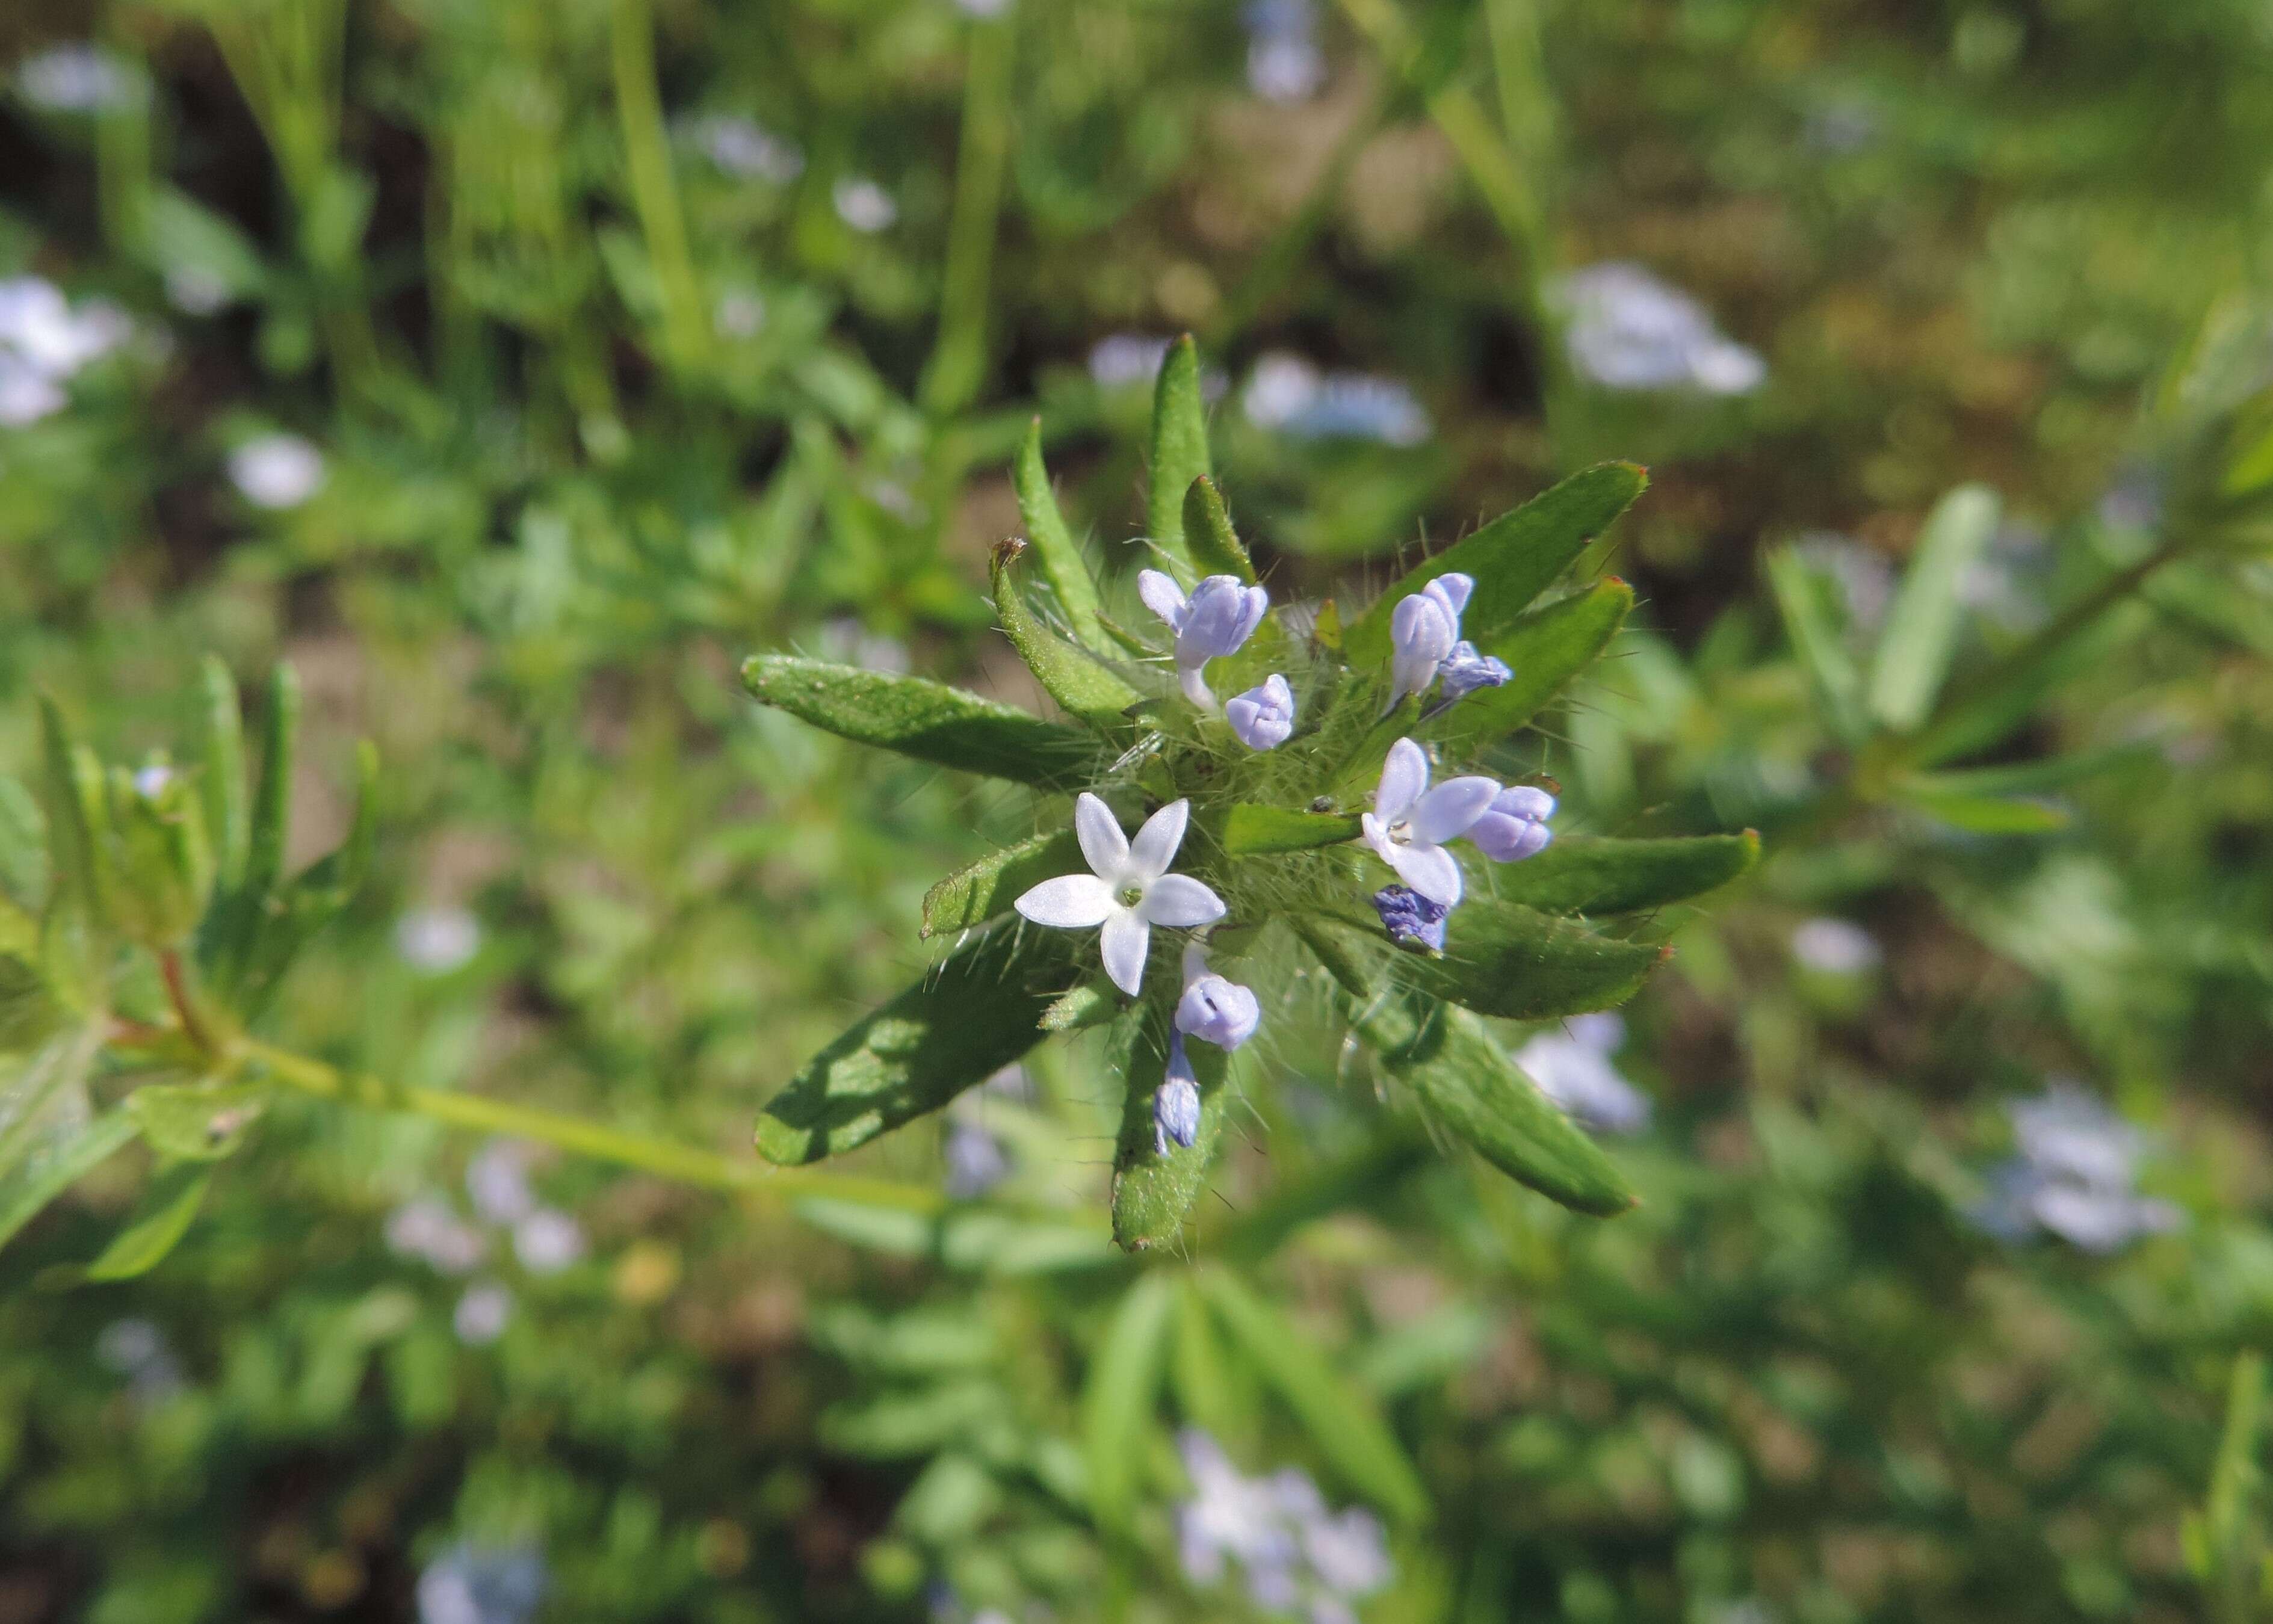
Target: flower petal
[[1102, 843], [1448, 809], [1125, 938], [1162, 597], [1452, 589], [1156, 843], [1431, 869], [1069, 902], [1180, 902], [1377, 835], [1404, 775]]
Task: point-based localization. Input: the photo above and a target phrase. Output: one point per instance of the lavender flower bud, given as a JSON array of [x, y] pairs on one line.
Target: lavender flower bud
[[1217, 1011], [1515, 827], [1263, 716], [1410, 916], [1422, 630], [1176, 1107]]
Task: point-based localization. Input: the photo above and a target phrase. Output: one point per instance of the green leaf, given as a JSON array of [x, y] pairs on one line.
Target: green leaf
[[1060, 555], [1463, 1082], [1246, 830], [1512, 560], [1584, 876], [77, 813], [272, 927], [1913, 653], [1152, 1193], [48, 1139], [1214, 545], [272, 802], [1180, 454], [227, 819], [1983, 814], [1503, 960], [1118, 1399], [1989, 709], [29, 1015], [194, 1122], [928, 721], [1543, 651], [164, 1217], [1799, 598], [2038, 777], [973, 895], [1068, 674], [23, 844], [973, 1014], [1342, 1420]]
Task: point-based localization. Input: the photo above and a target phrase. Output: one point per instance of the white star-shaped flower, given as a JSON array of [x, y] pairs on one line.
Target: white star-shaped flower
[[1127, 890], [1410, 822]]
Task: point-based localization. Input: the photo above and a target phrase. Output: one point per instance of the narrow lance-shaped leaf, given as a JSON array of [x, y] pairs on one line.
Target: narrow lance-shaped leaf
[[1214, 545], [1519, 964], [1512, 560], [227, 819], [77, 818], [928, 721], [973, 895], [1465, 1082], [1816, 641], [1180, 453], [48, 1140], [1342, 1420], [23, 844], [1067, 673], [271, 804], [1118, 1398], [1060, 555], [1983, 814], [159, 1224], [1543, 651], [973, 1014], [1247, 830], [1914, 650], [1583, 876], [1152, 1193]]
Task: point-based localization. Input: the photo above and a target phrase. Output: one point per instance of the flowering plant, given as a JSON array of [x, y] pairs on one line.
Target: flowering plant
[[1326, 826]]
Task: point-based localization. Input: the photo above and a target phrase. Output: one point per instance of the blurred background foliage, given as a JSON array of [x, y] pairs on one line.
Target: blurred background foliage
[[513, 367]]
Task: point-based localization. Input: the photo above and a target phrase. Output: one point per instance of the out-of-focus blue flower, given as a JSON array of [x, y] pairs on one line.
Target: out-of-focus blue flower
[[1294, 1554], [1836, 948], [1628, 330], [1286, 393], [2073, 1177], [976, 1161], [743, 149], [1573, 1067], [468, 1585], [1284, 61], [77, 77]]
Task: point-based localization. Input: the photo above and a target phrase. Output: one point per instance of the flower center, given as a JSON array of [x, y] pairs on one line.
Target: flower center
[[1131, 895]]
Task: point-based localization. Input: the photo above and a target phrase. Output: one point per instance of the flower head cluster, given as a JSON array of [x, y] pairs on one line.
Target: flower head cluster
[[44, 341], [2074, 1176], [1297, 1557]]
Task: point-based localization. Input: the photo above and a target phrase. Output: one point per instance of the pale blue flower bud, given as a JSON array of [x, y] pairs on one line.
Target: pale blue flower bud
[[1217, 619], [1214, 1009], [1422, 630], [1515, 827], [1176, 1107], [1263, 716]]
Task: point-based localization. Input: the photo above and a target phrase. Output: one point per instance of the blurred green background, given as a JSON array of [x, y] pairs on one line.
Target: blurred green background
[[515, 367]]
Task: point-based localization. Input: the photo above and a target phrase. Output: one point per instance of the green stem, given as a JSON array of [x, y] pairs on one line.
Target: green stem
[[667, 1158], [655, 193], [958, 360]]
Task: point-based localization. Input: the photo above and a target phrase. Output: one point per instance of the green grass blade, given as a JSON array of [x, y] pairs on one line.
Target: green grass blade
[[1119, 1398]]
